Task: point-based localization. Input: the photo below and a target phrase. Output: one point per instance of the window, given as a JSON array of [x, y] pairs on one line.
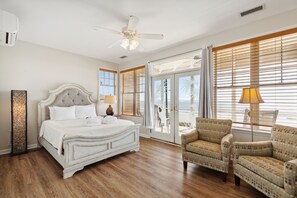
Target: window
[[107, 83], [269, 63], [133, 91], [179, 63]]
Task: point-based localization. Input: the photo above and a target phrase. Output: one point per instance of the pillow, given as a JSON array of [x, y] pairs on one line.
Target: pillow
[[85, 111], [62, 113]]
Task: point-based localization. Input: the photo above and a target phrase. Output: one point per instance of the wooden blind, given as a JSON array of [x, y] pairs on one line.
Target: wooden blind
[[269, 63], [133, 91]]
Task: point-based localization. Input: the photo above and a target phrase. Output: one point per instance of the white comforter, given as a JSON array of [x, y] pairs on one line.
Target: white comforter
[[55, 131]]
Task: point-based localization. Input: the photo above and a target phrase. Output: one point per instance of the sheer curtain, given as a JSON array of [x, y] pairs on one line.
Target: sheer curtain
[[148, 120], [206, 84]]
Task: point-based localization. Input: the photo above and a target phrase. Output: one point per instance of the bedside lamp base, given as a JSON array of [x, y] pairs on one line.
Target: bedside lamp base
[[109, 111]]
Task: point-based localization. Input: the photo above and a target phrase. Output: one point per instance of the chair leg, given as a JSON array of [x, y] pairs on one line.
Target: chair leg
[[237, 180], [185, 165], [225, 177]]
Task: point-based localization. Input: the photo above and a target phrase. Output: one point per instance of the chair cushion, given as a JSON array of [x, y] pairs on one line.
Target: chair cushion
[[267, 167], [205, 148]]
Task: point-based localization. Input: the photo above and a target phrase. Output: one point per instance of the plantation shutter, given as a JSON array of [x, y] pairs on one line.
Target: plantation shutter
[[128, 93], [133, 91], [269, 63]]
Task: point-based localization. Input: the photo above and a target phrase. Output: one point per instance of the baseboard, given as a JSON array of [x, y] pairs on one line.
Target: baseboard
[[7, 151], [144, 135]]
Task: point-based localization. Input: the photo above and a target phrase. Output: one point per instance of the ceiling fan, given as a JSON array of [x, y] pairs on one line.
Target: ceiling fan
[[130, 37]]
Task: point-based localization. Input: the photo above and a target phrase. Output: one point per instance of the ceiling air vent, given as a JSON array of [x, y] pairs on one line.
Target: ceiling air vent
[[122, 57], [253, 10]]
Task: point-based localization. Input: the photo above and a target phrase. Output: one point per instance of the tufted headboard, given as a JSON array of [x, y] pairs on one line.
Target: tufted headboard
[[64, 96]]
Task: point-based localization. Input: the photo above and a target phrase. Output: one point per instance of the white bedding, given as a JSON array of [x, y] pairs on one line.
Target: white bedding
[[55, 131]]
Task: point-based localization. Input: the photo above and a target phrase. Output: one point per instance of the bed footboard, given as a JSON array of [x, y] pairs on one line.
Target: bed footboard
[[80, 151]]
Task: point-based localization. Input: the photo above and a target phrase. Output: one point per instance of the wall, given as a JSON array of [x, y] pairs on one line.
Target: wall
[[265, 26], [38, 69]]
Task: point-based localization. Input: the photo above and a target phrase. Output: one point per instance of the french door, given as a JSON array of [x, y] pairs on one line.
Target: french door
[[175, 98]]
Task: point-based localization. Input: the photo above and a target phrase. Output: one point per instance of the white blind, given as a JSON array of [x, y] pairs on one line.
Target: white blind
[[269, 63]]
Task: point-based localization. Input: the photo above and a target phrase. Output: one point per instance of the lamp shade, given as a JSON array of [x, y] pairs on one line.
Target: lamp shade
[[109, 99], [251, 96]]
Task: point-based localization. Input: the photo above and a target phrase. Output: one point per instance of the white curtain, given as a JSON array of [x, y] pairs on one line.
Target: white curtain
[[148, 119], [206, 84]]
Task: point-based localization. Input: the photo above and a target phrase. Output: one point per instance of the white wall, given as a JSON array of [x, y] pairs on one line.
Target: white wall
[[269, 25], [38, 69]]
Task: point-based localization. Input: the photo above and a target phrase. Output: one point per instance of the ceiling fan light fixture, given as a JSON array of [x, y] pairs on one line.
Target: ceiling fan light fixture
[[125, 43], [133, 44]]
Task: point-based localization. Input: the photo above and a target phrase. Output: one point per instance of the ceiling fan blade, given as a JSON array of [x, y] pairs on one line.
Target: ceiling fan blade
[[151, 36], [98, 28], [133, 21], [114, 44]]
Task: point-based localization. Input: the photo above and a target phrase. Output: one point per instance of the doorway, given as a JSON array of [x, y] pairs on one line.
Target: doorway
[[175, 100]]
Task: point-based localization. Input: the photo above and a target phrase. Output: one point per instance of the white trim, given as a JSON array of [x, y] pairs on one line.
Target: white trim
[[7, 151], [178, 72], [144, 135]]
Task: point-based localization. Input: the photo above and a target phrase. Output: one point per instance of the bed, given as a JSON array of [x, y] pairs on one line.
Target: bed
[[77, 149]]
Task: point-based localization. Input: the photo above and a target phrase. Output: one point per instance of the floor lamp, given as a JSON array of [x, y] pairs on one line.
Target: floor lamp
[[251, 96]]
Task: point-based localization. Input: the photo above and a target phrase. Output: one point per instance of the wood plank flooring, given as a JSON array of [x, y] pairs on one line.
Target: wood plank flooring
[[155, 171]]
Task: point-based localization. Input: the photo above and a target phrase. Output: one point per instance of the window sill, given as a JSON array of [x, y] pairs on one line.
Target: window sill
[[248, 131]]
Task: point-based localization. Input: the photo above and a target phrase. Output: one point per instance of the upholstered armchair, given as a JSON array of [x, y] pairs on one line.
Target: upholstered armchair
[[209, 145], [269, 166]]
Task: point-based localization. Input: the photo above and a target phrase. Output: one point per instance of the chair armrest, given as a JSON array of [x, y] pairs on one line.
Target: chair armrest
[[226, 145], [188, 137], [290, 177], [261, 148]]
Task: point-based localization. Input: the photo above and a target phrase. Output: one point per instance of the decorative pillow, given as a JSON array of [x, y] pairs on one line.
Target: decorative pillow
[[62, 113], [85, 111]]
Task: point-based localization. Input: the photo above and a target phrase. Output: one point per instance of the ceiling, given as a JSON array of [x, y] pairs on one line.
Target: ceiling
[[67, 24]]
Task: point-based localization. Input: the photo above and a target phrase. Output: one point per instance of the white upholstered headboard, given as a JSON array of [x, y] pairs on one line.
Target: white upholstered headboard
[[64, 96]]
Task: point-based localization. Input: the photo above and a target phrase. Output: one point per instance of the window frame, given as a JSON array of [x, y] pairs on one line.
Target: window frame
[[106, 85], [134, 92]]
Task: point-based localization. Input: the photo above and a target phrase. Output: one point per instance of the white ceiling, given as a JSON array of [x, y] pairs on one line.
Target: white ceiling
[[67, 24]]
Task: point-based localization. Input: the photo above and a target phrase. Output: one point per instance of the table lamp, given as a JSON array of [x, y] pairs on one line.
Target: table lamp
[[109, 100], [251, 96]]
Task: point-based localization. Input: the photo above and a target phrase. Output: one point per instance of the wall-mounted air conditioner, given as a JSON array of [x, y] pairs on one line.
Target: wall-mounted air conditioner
[[9, 28]]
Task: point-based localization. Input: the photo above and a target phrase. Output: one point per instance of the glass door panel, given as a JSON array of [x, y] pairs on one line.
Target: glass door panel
[[186, 103], [163, 98]]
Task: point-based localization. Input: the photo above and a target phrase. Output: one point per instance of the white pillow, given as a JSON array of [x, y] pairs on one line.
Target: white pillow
[[85, 111], [62, 113]]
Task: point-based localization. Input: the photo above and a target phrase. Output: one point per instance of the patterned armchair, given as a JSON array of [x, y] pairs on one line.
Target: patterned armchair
[[209, 144], [269, 166]]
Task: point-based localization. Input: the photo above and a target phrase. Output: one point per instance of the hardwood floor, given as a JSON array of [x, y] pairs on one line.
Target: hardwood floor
[[155, 171]]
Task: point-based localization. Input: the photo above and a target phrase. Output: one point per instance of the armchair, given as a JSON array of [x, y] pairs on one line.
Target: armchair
[[269, 166], [208, 145]]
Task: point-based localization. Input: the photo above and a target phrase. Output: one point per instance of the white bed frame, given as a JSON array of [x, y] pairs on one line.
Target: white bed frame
[[81, 151]]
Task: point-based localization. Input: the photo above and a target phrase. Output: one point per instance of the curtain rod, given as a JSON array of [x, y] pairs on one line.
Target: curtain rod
[[174, 55]]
